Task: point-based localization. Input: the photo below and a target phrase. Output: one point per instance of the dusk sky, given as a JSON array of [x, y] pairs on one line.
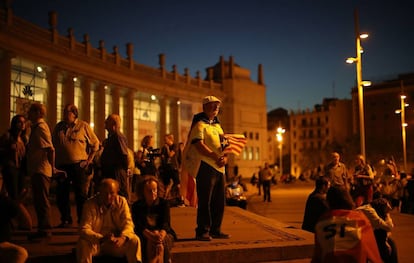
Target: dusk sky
[[302, 44]]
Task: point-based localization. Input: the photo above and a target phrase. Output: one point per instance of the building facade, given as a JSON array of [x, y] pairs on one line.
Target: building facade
[[42, 65], [315, 133], [383, 127]]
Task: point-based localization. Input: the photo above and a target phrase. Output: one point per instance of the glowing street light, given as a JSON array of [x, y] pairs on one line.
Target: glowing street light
[[279, 136], [403, 126], [360, 84]]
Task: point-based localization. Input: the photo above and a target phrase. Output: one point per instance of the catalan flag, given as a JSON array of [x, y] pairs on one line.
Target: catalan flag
[[236, 142]]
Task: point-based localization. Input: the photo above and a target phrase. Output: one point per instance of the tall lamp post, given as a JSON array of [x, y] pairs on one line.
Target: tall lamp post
[[403, 126], [360, 84], [279, 136]]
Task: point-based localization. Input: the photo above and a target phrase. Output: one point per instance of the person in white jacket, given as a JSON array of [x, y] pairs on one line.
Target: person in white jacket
[[378, 213], [106, 227]]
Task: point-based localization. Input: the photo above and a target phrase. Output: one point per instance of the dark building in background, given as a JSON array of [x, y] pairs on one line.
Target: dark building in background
[[383, 127]]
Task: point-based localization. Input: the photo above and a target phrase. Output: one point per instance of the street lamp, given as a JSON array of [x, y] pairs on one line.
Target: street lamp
[[403, 126], [360, 84], [279, 136]]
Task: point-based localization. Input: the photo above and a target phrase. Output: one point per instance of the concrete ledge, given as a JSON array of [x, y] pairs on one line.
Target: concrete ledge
[[253, 239]]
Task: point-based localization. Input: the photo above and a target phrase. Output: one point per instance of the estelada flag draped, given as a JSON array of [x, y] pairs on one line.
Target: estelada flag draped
[[235, 145], [189, 168]]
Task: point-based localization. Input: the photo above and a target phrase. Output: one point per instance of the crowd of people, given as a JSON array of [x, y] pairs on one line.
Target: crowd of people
[[104, 177], [350, 214]]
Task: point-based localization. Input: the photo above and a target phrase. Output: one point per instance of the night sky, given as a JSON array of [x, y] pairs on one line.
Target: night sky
[[302, 44]]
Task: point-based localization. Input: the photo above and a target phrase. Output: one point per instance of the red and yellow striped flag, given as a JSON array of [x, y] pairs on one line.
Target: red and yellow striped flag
[[236, 142]]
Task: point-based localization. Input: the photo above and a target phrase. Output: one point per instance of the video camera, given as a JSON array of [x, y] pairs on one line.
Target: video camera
[[153, 153]]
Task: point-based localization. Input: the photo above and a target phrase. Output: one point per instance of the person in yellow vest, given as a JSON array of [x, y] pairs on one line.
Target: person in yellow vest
[[206, 136]]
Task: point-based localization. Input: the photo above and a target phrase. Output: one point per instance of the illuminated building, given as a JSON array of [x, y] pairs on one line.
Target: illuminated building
[[42, 65]]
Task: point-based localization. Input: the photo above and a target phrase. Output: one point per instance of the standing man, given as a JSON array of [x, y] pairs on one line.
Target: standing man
[[76, 145], [266, 179], [114, 158], [40, 167], [337, 173], [206, 136]]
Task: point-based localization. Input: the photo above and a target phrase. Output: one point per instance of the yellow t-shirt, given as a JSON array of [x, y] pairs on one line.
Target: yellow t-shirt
[[210, 134]]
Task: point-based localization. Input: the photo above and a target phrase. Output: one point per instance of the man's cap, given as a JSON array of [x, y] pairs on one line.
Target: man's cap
[[208, 99]]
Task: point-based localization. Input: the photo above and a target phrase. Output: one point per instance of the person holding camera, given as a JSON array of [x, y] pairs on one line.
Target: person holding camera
[[146, 155], [76, 145]]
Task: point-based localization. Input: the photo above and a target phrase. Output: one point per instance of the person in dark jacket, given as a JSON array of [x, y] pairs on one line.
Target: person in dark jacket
[[12, 156], [114, 158], [316, 204]]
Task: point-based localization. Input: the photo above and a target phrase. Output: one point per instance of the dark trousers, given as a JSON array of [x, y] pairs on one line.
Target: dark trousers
[[211, 199], [266, 190], [40, 190], [13, 181], [382, 241], [80, 182], [259, 187]]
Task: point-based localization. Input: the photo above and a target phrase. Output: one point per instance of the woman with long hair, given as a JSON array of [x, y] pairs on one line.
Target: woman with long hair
[[13, 152]]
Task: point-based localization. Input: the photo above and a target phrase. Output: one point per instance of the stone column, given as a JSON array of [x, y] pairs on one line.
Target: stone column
[[100, 111], [115, 100], [68, 90], [102, 49], [9, 12], [129, 119], [85, 107], [161, 61], [175, 72], [222, 68], [130, 51], [163, 119], [260, 80], [5, 80], [187, 75], [53, 27], [51, 104], [87, 44], [116, 56], [231, 67], [175, 119], [72, 40]]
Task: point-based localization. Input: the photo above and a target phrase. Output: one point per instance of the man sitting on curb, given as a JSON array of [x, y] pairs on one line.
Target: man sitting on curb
[[106, 227]]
